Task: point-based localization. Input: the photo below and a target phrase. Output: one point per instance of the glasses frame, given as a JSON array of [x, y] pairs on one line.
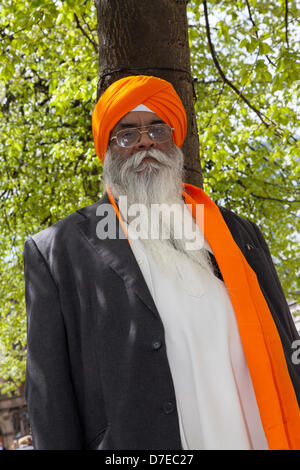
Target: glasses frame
[[115, 137]]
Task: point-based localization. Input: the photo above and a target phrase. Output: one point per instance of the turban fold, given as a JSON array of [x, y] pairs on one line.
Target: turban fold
[[124, 95]]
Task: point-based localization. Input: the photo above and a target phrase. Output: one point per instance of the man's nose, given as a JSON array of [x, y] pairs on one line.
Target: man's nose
[[145, 141]]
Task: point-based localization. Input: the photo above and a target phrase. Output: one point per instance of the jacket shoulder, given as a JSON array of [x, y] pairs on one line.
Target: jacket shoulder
[[245, 233], [237, 222]]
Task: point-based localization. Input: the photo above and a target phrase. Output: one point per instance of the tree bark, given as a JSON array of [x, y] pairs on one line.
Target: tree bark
[[142, 37]]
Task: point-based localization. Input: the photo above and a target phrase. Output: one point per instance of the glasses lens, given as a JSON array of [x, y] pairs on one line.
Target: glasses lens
[[160, 133], [128, 137]]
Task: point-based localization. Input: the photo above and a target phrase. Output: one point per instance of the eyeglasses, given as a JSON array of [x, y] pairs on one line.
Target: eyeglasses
[[131, 136]]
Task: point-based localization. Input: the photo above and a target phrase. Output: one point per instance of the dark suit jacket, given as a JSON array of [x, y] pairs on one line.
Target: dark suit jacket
[[97, 369]]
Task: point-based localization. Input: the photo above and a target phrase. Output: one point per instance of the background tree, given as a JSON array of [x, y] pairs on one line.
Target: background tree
[[245, 71]]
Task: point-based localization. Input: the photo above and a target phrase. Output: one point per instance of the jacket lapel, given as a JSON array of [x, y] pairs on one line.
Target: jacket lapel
[[115, 252]]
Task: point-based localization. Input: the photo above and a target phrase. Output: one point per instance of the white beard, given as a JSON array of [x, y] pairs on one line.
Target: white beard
[[156, 182]]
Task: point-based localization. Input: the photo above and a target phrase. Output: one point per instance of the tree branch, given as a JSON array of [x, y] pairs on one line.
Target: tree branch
[[256, 33], [286, 13], [268, 198], [95, 46], [215, 106], [226, 80], [86, 23], [284, 201]]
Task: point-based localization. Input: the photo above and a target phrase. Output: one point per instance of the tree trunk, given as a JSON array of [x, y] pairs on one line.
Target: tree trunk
[[150, 37]]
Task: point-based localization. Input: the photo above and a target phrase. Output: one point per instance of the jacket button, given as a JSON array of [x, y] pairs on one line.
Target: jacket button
[[168, 407], [156, 344]]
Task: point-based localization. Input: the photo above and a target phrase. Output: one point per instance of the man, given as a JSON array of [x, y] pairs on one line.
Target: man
[[154, 332], [25, 443]]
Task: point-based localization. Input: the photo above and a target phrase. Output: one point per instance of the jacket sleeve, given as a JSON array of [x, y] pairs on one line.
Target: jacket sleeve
[[275, 297], [288, 316], [49, 392]]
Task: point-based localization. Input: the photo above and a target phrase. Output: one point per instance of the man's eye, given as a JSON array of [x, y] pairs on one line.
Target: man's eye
[[158, 130], [128, 135]]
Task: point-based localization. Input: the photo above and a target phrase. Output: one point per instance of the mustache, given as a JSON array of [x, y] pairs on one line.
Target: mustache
[[137, 158]]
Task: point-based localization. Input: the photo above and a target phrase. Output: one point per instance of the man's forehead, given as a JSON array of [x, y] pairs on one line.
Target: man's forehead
[[136, 118]]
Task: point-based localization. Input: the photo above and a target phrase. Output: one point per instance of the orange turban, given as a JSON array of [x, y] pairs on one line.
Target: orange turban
[[124, 95]]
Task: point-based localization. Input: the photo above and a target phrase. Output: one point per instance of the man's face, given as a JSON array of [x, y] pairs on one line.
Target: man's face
[[139, 119]]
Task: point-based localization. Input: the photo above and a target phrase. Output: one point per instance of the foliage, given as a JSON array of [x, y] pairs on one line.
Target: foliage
[[48, 164], [246, 83], [48, 167]]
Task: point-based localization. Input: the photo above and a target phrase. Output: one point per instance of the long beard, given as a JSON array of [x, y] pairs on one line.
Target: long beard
[[153, 183], [145, 182]]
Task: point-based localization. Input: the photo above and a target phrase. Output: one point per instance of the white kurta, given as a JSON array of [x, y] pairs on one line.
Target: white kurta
[[216, 403]]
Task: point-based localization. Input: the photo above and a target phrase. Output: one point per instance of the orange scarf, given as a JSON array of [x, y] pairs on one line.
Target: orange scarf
[[274, 391]]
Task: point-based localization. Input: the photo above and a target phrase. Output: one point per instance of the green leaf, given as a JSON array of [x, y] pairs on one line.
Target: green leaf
[[264, 48]]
